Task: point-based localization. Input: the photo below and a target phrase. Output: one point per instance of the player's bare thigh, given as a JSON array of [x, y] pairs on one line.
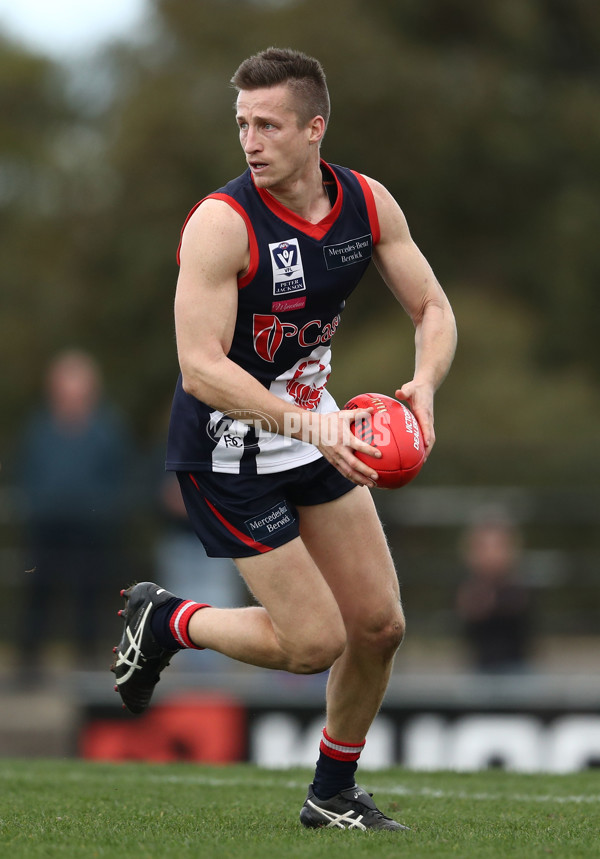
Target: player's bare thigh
[[300, 603], [346, 540]]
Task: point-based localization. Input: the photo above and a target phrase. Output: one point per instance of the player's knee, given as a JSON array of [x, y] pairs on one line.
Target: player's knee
[[318, 655], [393, 634], [383, 636]]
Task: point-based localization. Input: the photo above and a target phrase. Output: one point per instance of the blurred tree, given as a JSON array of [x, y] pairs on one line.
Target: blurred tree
[[34, 256], [505, 135]]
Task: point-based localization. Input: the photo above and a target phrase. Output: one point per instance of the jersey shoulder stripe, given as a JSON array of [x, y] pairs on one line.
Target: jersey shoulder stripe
[[231, 201], [371, 206]]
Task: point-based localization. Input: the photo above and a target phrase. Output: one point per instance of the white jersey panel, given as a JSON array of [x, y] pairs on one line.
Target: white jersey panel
[[230, 435], [302, 385]]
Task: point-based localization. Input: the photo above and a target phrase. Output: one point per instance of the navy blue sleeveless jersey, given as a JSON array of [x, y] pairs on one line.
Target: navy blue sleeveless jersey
[[289, 306]]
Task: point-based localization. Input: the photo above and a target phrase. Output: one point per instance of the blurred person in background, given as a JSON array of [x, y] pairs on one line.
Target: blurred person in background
[[73, 461], [493, 602]]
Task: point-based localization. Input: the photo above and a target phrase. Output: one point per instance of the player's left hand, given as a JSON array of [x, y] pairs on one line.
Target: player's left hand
[[419, 397]]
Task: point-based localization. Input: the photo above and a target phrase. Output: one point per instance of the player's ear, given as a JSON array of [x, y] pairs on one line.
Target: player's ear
[[316, 129]]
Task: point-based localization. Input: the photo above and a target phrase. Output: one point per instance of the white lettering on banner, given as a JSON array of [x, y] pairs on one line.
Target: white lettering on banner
[[474, 742], [574, 742], [520, 743]]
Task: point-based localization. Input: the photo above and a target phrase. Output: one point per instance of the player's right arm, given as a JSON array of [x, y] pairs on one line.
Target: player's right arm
[[214, 253], [206, 302]]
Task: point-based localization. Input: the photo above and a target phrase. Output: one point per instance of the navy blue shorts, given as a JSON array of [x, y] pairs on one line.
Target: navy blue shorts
[[239, 515]]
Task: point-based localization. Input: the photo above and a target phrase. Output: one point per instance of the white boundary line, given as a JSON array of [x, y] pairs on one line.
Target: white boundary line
[[277, 784], [425, 792]]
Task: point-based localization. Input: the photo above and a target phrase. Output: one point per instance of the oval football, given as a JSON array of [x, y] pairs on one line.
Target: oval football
[[396, 432]]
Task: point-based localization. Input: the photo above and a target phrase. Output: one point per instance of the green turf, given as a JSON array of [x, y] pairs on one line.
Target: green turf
[[74, 808]]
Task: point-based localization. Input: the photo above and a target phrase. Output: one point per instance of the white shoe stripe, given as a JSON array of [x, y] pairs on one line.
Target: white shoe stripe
[[133, 653], [348, 820]]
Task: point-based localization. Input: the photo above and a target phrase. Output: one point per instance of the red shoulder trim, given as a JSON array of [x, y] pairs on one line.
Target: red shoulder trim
[[371, 206], [253, 265]]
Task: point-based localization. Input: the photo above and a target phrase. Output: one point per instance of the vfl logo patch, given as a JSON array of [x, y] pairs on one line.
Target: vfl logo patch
[[288, 273]]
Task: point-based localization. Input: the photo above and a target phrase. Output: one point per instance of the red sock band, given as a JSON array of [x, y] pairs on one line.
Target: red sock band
[[180, 620], [339, 750]]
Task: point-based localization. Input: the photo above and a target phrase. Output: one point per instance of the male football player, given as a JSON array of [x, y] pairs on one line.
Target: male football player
[[265, 459]]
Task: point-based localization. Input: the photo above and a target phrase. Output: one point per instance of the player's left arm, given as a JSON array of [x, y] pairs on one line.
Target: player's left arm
[[412, 281]]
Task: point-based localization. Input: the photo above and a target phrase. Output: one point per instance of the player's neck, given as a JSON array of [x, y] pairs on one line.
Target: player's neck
[[305, 196]]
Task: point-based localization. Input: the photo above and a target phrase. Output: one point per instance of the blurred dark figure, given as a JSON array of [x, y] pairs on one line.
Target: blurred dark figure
[[74, 457], [493, 603]]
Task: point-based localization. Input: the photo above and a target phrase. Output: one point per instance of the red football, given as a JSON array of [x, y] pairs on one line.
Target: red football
[[396, 432]]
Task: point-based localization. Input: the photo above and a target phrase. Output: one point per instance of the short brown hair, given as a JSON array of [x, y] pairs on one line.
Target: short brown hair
[[303, 74]]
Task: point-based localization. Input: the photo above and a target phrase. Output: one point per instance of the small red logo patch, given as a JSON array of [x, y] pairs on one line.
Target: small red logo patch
[[289, 304]]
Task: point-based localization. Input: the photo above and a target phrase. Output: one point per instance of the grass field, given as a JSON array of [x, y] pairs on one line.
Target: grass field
[[73, 808]]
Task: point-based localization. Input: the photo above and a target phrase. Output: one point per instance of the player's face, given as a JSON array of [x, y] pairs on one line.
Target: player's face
[[278, 150]]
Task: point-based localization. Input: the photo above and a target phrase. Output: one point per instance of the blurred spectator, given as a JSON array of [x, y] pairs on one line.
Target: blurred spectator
[[73, 472], [493, 602], [184, 568]]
